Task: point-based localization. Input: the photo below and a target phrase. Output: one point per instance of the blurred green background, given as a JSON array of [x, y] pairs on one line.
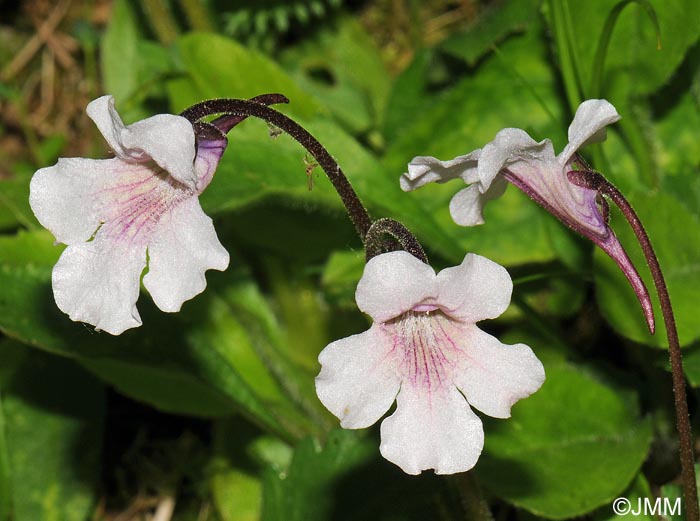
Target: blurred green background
[[211, 414]]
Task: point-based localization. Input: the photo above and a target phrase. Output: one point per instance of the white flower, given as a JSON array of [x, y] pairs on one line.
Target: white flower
[[513, 156], [118, 215], [425, 351]]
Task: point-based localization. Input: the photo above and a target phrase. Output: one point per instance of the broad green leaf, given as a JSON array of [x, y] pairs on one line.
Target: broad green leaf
[[27, 250], [638, 491], [409, 96], [256, 167], [344, 479], [633, 64], [341, 275], [328, 65], [675, 235], [218, 67], [204, 361], [237, 495], [14, 203], [52, 418], [514, 87], [241, 452], [573, 446], [492, 26], [519, 85], [305, 491], [132, 67], [119, 50], [379, 188], [677, 135]]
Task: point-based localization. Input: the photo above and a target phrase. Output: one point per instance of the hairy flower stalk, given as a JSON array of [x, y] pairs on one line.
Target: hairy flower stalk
[[233, 108], [596, 181]]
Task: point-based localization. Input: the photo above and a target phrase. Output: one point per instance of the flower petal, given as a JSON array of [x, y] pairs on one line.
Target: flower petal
[[182, 247], [209, 154], [393, 283], [475, 290], [166, 139], [493, 376], [356, 383], [509, 146], [98, 282], [588, 126], [63, 196], [425, 169], [436, 431], [467, 205]]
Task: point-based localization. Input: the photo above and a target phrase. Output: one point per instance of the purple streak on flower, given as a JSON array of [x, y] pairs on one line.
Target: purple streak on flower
[[119, 215], [425, 351], [533, 167]]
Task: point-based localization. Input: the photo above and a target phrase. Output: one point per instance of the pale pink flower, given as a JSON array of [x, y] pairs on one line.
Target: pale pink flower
[[425, 351], [514, 157], [119, 215]]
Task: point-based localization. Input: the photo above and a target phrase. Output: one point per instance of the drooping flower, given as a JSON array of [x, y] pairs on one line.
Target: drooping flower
[[425, 351], [118, 215], [515, 157]]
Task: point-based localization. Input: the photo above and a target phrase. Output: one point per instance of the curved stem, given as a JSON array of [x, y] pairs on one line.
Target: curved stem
[[596, 181], [385, 226], [237, 107]]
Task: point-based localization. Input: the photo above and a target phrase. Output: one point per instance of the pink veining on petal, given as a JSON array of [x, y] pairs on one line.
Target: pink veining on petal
[[423, 349], [134, 204]]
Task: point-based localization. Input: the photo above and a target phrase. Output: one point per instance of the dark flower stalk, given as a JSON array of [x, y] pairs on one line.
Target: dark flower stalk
[[595, 181], [235, 110]]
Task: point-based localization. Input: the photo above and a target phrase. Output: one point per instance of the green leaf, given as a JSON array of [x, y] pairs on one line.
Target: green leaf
[[491, 28], [52, 419], [119, 51], [256, 167], [677, 133], [14, 203], [237, 495], [460, 121], [571, 447], [218, 67], [638, 491], [131, 65], [341, 275], [205, 361], [675, 235], [634, 66], [327, 66], [241, 452], [305, 491]]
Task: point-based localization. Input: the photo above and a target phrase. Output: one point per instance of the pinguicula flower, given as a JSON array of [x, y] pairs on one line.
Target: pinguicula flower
[[119, 215], [532, 166], [425, 351]]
